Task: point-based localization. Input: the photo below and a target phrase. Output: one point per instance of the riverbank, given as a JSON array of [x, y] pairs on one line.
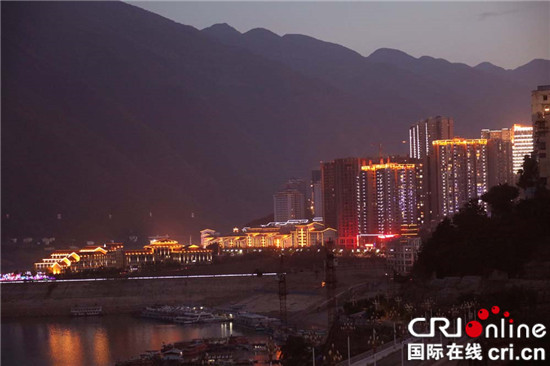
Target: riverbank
[[257, 294], [118, 296]]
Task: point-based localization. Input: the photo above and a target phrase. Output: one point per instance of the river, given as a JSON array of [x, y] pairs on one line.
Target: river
[[97, 341]]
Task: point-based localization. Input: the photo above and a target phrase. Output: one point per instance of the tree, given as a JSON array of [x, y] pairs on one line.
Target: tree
[[471, 220], [457, 247], [528, 174], [296, 352], [500, 199], [433, 253], [473, 244]]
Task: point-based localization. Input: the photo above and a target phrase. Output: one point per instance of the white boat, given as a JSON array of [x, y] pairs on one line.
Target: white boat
[[256, 322], [165, 312], [198, 317], [184, 314], [83, 310]]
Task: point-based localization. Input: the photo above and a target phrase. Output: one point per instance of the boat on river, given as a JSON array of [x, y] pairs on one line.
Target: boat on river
[[86, 310], [184, 314], [256, 322], [198, 317]]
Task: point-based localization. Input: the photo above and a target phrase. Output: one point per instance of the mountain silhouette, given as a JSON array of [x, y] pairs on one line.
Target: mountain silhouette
[[116, 120]]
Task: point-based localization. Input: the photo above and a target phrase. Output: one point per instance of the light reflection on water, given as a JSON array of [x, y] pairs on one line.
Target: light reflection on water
[[93, 341]]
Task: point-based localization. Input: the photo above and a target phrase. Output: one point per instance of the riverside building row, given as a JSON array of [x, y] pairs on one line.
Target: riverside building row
[[113, 255], [299, 233]]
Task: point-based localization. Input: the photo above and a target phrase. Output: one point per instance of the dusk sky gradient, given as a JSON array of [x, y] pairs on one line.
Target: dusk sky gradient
[[507, 34]]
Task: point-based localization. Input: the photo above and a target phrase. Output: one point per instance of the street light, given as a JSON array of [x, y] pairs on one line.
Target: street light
[[348, 327], [333, 356], [374, 340]]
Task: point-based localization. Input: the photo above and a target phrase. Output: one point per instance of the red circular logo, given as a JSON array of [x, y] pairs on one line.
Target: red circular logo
[[483, 314], [495, 309], [474, 329]]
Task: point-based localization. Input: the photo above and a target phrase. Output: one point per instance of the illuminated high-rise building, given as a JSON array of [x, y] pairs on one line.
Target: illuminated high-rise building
[[499, 156], [421, 137], [298, 184], [540, 116], [402, 253], [316, 194], [522, 144], [328, 187], [387, 197], [339, 181], [424, 132], [460, 170], [288, 205], [291, 201]]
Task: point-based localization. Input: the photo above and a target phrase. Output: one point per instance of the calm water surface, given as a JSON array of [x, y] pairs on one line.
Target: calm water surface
[[94, 340]]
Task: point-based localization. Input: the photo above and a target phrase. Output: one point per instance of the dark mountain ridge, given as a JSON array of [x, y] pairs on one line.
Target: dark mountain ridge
[[475, 96], [110, 109]]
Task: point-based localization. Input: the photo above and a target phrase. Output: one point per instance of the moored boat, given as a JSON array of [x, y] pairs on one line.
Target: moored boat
[[86, 310], [184, 314], [198, 317], [257, 322]]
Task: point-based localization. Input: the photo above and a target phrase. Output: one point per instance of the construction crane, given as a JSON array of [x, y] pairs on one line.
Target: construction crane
[[331, 355], [282, 291], [330, 282]]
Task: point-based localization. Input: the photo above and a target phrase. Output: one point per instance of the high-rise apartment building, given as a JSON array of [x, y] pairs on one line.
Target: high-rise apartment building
[[339, 180], [387, 197], [423, 133], [328, 187], [288, 205], [460, 173], [522, 144], [298, 184], [499, 156], [316, 194], [421, 137], [402, 253], [540, 116]]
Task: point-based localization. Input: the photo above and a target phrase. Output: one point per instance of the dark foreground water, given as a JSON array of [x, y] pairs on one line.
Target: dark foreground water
[[94, 340]]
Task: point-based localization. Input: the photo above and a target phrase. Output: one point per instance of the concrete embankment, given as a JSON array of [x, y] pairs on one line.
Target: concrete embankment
[[125, 296], [253, 293]]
